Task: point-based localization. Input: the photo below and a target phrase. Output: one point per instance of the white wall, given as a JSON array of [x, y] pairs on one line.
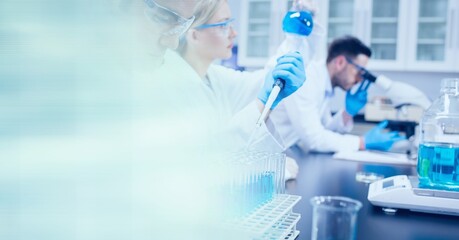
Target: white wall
[[429, 83]]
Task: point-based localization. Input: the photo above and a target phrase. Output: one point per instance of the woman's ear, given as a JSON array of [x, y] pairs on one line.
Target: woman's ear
[[192, 34]]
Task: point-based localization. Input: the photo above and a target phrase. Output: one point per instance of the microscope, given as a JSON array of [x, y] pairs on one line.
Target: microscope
[[403, 107]]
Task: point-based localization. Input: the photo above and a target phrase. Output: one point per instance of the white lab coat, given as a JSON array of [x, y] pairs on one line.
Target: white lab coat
[[305, 118], [223, 106], [188, 127], [235, 95]]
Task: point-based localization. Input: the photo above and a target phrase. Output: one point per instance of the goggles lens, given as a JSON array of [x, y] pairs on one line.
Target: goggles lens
[[224, 26], [361, 69]]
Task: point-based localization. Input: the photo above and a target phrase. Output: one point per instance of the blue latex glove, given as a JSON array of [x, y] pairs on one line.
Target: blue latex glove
[[378, 140], [289, 68], [356, 101]]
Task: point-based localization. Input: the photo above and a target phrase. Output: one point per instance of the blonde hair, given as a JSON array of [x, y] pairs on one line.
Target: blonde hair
[[203, 12]]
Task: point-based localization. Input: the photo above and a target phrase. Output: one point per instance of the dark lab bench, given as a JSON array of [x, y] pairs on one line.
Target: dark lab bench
[[320, 174]]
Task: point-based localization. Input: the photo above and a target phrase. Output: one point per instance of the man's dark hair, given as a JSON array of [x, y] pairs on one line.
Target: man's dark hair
[[348, 46]]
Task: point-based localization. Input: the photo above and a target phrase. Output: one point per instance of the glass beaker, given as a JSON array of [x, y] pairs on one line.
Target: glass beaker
[[334, 217], [438, 154]]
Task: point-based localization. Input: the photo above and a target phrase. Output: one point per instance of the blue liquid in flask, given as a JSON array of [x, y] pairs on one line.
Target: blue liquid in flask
[[298, 22], [438, 166]]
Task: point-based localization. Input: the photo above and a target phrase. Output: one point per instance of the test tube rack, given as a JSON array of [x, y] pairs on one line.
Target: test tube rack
[[253, 191], [273, 220]]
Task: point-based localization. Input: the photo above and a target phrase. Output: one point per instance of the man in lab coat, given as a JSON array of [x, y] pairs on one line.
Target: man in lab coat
[[305, 118]]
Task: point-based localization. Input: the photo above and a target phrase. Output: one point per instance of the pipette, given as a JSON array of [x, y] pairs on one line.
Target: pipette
[[277, 87]]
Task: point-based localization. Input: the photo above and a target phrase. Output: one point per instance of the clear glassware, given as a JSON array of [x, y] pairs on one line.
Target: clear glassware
[[298, 22], [438, 154], [334, 217], [248, 180]]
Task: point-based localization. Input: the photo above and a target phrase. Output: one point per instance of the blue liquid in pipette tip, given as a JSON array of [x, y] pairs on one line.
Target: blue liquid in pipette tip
[[438, 166]]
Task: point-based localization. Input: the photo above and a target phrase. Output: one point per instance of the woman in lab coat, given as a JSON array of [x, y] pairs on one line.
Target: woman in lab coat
[[197, 118], [232, 94]]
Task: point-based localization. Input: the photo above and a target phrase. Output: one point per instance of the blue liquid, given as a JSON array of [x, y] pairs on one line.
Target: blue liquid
[[244, 199], [438, 166], [261, 190], [267, 184], [300, 23]]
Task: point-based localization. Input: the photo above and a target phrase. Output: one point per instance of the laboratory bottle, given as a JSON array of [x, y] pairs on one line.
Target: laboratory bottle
[[298, 22], [438, 154], [297, 26]]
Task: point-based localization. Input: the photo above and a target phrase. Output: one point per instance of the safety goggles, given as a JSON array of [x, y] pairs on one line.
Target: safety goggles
[[359, 68], [224, 26], [177, 24], [363, 71]]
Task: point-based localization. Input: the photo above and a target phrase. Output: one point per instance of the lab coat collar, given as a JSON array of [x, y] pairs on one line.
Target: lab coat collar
[[180, 66]]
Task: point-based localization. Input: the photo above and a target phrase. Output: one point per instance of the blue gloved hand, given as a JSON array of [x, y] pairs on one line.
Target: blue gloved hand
[[378, 140], [356, 101], [290, 69]]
